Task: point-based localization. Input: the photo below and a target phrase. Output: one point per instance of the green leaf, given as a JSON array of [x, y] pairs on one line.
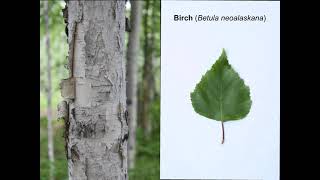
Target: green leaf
[[221, 94]]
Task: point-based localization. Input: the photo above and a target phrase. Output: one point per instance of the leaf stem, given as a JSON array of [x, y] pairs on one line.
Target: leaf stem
[[222, 126]]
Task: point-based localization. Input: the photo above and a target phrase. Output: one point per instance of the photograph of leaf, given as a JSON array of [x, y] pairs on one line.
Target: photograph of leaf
[[221, 94]]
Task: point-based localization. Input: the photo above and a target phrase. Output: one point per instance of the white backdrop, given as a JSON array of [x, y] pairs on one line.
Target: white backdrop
[[190, 143]]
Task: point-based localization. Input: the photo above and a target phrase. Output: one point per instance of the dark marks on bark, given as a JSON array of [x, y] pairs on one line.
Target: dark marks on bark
[[66, 132], [66, 135], [65, 18], [89, 123], [113, 9], [119, 42], [91, 129], [80, 12], [86, 171], [74, 153], [126, 116], [124, 136]]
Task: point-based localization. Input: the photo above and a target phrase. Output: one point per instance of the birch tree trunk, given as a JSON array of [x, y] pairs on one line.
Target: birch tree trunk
[[49, 95], [95, 94], [132, 57], [147, 73]]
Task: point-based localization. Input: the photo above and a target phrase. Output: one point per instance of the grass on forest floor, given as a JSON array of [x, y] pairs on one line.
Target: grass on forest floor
[[147, 159]]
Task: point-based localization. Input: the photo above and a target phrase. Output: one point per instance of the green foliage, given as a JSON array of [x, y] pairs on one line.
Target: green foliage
[[61, 168], [55, 15], [147, 165], [155, 114], [221, 94], [58, 50]]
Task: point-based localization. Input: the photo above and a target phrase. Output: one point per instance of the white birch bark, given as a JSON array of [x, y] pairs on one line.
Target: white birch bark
[[96, 125], [132, 58]]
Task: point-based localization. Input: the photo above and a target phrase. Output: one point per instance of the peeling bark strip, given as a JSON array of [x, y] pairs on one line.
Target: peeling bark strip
[[95, 94], [67, 87]]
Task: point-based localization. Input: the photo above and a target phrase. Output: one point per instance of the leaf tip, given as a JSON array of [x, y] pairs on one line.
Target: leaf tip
[[223, 59], [224, 53]]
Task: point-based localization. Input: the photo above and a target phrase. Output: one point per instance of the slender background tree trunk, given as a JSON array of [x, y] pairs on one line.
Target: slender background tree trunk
[[49, 94], [132, 57], [96, 126], [147, 76], [151, 80]]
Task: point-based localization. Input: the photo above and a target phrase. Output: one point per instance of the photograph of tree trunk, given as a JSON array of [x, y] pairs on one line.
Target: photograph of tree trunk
[[106, 70], [100, 90]]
